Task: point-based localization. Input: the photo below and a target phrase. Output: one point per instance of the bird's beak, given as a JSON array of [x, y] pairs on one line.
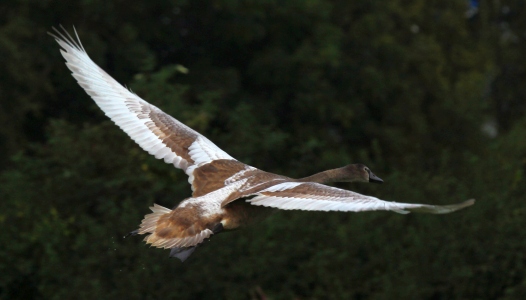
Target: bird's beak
[[375, 179]]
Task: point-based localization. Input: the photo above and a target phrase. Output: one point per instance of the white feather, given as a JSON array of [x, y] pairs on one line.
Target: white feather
[[282, 186]]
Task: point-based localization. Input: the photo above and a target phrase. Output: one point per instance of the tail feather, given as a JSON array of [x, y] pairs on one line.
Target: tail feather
[[149, 223], [169, 231]]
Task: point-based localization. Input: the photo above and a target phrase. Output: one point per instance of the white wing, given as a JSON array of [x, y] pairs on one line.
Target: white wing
[[155, 131], [319, 197]]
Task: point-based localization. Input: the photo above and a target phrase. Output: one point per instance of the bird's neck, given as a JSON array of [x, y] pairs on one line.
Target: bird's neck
[[333, 175]]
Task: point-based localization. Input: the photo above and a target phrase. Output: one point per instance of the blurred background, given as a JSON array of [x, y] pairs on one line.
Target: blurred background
[[429, 94]]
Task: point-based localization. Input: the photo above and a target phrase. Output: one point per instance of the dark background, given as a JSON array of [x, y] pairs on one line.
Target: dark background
[[429, 94]]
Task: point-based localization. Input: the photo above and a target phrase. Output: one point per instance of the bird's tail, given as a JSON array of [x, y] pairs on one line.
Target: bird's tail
[[175, 230], [149, 223]]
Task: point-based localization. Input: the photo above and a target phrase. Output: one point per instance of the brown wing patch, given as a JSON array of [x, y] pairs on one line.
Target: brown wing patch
[[309, 190], [240, 194], [175, 135], [212, 176], [260, 180]]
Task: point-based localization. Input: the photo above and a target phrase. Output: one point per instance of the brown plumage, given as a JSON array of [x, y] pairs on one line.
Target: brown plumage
[[227, 194]]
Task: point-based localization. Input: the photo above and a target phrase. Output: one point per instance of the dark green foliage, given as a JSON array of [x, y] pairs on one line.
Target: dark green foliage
[[409, 88]]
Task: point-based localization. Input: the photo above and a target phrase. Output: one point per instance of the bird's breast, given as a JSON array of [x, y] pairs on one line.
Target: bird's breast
[[240, 213]]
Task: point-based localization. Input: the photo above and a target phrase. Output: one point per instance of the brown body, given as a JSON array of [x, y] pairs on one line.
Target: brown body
[[196, 218], [239, 214], [189, 220]]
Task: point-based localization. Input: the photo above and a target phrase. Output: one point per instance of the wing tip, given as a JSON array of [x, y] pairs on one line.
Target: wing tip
[[446, 209], [462, 205], [63, 35], [469, 202]]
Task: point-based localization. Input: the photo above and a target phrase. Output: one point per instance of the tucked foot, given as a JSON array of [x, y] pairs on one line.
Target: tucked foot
[[217, 228], [182, 253]]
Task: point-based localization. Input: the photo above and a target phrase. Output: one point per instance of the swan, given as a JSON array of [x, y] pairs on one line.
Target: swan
[[227, 194]]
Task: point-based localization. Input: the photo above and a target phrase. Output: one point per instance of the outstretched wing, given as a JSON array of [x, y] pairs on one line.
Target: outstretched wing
[[151, 128], [319, 197]]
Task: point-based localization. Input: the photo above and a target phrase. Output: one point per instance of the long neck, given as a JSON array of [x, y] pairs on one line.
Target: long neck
[[334, 175]]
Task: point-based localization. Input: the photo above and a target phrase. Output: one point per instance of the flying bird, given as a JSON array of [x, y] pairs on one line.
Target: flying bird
[[227, 194]]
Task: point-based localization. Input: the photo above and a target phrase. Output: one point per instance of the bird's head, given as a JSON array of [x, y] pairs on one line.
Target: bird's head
[[360, 172]]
